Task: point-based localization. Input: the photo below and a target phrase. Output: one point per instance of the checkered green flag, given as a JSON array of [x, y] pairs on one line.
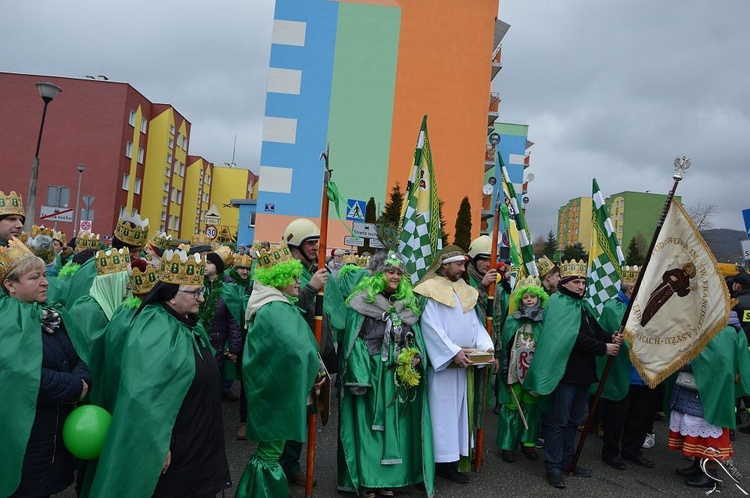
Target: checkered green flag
[[605, 257], [518, 232], [420, 238]]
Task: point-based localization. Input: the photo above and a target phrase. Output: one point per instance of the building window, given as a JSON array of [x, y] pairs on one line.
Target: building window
[[162, 228], [131, 118], [184, 144], [173, 195], [179, 197], [208, 179], [167, 172], [137, 187], [205, 197], [197, 220], [177, 168], [171, 129], [144, 125], [140, 155], [176, 222], [164, 201], [122, 211], [182, 169], [169, 158], [125, 181], [166, 186], [171, 143], [163, 215], [251, 221], [129, 149], [179, 140]]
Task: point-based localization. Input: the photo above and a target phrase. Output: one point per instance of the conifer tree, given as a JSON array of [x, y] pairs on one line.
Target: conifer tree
[[462, 237]]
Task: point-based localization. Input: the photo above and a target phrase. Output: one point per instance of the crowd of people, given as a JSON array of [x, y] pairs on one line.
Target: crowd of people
[[156, 333]]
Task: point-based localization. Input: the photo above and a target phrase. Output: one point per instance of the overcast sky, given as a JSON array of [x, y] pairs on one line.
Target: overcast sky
[[611, 90]]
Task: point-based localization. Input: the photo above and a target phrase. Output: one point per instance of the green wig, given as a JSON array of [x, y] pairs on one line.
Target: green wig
[[377, 283], [279, 275], [529, 289]]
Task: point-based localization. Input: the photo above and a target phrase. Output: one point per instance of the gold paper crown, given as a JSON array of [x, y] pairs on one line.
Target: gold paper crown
[[268, 259], [573, 268], [24, 237], [528, 281], [161, 241], [630, 274], [177, 267], [41, 230], [544, 265], [143, 281], [350, 259], [11, 204], [201, 239], [60, 237], [112, 261], [243, 261], [45, 249], [132, 230], [12, 255], [87, 240], [225, 253], [363, 261]]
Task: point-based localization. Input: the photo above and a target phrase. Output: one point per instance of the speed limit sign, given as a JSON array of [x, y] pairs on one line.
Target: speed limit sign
[[211, 232]]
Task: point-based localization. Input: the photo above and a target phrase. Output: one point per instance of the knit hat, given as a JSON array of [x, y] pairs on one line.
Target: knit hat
[[214, 258]]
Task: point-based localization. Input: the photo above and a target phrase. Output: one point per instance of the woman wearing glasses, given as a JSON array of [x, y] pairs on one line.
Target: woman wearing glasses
[[166, 438]]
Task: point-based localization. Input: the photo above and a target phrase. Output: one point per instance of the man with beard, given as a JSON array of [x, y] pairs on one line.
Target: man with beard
[[452, 328]]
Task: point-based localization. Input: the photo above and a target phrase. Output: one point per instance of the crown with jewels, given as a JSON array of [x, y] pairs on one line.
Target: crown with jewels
[[243, 261], [226, 255], [268, 259], [350, 259], [12, 255], [528, 282], [143, 281], [24, 237], [630, 274], [544, 265], [160, 241], [177, 267], [87, 240], [573, 268], [40, 243], [201, 239], [60, 237], [41, 230], [132, 230], [112, 261], [363, 261], [11, 204]]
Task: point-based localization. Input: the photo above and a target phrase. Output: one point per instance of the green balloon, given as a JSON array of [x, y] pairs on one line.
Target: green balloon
[[85, 430]]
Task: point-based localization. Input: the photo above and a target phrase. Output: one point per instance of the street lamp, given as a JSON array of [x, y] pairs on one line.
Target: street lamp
[[80, 167], [47, 91]]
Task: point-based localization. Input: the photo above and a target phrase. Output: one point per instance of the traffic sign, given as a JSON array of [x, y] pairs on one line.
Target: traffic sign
[[85, 226], [212, 232], [212, 216], [746, 216], [376, 244], [53, 213], [366, 230], [355, 210], [354, 241], [745, 250]]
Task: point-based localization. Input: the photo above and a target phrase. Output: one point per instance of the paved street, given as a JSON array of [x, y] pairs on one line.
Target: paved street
[[523, 478]]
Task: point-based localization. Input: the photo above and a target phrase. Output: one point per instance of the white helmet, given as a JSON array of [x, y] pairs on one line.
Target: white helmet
[[481, 246], [300, 230]]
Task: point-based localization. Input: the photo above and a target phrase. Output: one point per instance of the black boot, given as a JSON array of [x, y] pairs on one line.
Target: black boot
[[702, 480], [691, 471]]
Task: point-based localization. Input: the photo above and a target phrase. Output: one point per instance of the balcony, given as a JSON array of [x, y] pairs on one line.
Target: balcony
[[526, 161], [494, 109], [489, 158]]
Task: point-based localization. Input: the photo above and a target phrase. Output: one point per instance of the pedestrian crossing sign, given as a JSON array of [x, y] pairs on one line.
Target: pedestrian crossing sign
[[355, 210]]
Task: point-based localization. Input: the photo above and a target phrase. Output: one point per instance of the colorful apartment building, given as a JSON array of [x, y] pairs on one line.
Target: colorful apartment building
[[574, 223], [134, 152], [358, 75]]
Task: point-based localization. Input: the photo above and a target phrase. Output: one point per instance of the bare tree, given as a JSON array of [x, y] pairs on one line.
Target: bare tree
[[703, 214]]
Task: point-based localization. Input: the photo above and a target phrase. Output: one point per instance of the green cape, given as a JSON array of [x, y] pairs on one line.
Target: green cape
[[617, 384], [359, 368], [57, 290], [114, 342], [348, 278], [21, 360], [80, 283], [560, 326], [279, 366], [714, 369], [88, 339], [333, 302], [157, 369]]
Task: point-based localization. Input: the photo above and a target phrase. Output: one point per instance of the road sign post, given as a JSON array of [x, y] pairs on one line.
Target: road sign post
[[746, 217]]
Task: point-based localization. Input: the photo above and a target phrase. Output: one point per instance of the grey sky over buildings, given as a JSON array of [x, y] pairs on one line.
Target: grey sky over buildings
[[611, 90]]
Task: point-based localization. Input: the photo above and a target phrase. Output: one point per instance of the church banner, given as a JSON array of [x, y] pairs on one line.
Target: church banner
[[681, 303]]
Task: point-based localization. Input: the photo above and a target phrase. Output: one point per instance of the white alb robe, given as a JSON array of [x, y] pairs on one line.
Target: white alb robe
[[446, 330]]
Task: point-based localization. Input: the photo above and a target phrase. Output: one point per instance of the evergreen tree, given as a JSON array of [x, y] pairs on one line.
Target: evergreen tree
[[443, 233], [550, 246], [635, 254], [462, 237], [391, 214], [576, 251], [371, 216]]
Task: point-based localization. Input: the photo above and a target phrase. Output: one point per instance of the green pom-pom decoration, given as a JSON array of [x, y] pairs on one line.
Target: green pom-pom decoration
[[69, 269], [279, 275]]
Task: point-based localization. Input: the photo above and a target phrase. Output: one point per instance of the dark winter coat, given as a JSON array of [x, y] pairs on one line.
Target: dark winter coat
[[47, 464], [590, 343], [743, 309], [224, 328]]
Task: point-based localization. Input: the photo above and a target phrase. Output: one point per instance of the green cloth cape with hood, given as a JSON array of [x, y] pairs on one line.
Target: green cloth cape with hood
[[359, 368], [21, 367], [618, 381], [88, 340], [157, 369], [560, 327]]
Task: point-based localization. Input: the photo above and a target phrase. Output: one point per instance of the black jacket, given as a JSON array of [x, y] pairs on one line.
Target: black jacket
[[47, 464], [743, 309]]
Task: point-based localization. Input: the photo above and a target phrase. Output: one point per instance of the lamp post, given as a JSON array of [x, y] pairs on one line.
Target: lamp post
[[80, 167], [47, 91]]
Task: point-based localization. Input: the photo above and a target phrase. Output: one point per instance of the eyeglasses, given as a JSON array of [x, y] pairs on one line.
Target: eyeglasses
[[197, 294]]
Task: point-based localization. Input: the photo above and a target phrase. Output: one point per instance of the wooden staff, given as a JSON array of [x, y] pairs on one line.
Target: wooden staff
[[318, 328], [595, 403], [488, 325]]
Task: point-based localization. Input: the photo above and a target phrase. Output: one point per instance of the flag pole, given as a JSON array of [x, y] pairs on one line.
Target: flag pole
[[681, 164], [318, 327], [488, 325]]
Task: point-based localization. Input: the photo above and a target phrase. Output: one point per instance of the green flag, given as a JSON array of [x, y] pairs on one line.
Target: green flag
[[518, 232]]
